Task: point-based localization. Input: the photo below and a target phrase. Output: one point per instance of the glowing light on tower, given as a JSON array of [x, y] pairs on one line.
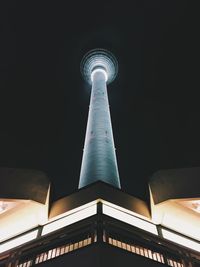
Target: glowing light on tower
[[99, 68]]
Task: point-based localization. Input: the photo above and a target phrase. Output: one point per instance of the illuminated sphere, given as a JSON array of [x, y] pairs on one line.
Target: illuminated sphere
[[99, 59]]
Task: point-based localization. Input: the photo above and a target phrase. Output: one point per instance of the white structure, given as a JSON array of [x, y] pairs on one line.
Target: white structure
[[99, 67]]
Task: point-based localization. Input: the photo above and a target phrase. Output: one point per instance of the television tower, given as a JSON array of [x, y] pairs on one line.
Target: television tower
[[99, 68]]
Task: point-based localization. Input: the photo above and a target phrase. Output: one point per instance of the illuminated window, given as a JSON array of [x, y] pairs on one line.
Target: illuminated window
[[56, 252], [142, 251], [62, 251], [128, 247]]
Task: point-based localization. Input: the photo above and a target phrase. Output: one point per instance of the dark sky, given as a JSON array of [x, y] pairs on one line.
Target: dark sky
[[154, 100]]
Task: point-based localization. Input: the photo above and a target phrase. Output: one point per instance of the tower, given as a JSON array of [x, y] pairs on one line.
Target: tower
[[99, 225], [99, 68]]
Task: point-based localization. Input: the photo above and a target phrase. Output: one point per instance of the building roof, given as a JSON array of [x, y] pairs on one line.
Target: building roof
[[24, 200], [24, 184], [104, 191], [175, 184], [175, 200]]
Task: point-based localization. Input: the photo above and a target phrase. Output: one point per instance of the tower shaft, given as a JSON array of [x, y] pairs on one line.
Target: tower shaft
[[99, 158]]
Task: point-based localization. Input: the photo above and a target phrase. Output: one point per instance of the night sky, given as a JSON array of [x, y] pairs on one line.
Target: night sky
[[154, 100]]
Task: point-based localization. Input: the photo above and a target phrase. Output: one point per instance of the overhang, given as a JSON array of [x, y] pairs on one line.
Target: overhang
[[175, 200], [100, 190], [24, 201]]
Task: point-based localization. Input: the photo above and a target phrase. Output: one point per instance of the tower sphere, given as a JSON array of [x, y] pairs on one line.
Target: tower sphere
[[99, 59]]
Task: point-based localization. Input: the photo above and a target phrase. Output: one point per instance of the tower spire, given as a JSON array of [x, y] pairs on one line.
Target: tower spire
[[99, 67]]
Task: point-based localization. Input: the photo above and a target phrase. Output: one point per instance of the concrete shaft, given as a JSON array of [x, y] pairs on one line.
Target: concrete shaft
[[99, 158]]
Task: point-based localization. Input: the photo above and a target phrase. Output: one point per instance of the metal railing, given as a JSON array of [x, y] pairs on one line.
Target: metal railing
[[121, 243], [55, 252], [105, 232], [145, 252]]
